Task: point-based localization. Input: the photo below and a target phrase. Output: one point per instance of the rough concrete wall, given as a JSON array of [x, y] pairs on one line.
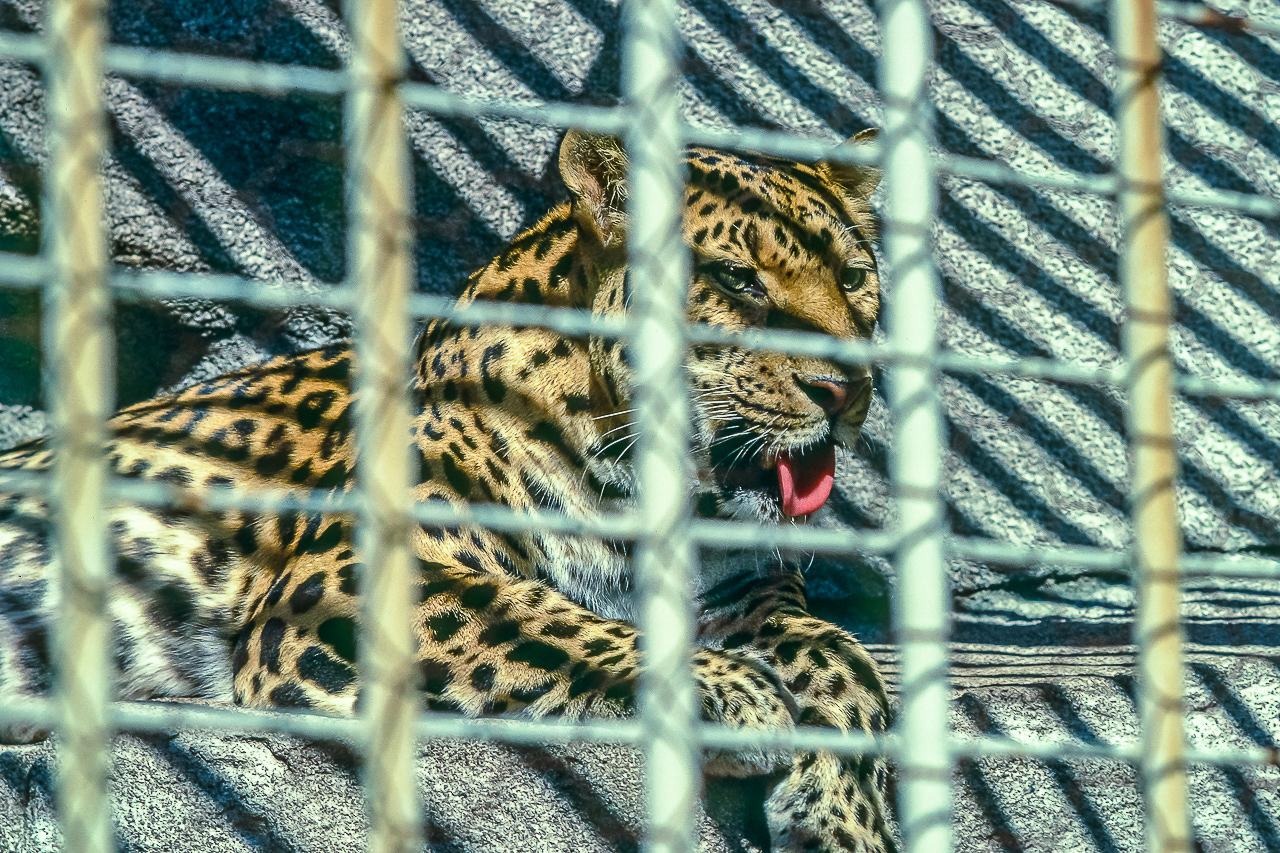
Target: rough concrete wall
[[238, 183], [209, 793]]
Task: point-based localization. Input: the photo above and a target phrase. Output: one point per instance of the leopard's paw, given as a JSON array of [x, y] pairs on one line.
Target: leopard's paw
[[830, 804], [741, 692]]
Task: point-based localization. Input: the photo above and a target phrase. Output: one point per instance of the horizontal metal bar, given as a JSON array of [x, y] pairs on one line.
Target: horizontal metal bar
[[1199, 564], [1031, 368], [711, 533], [24, 271], [156, 715]]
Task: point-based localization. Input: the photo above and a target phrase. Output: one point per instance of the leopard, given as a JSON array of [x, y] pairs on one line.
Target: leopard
[[260, 608]]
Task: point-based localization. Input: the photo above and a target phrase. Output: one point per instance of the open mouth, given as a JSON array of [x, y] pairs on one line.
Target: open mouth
[[800, 480]]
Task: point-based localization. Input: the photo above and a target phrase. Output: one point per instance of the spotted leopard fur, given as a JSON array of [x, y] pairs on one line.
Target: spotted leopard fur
[[261, 609]]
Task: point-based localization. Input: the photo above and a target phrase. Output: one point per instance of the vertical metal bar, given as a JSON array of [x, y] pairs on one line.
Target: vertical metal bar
[[380, 268], [79, 351], [1153, 502], [664, 558], [921, 612]]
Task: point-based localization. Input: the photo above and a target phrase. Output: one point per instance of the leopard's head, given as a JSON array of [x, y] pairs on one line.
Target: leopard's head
[[774, 244]]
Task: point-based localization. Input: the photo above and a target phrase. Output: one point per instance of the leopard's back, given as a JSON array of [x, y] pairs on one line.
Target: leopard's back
[[173, 599]]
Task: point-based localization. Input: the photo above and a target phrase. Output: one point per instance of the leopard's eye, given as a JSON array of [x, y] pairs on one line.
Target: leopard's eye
[[853, 278], [733, 278]]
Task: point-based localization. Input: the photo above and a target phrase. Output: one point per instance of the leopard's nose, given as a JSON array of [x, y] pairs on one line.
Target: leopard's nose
[[832, 394]]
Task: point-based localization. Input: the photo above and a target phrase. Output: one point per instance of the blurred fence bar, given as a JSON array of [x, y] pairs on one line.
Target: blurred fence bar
[[380, 273], [658, 270], [922, 601], [79, 352], [1157, 539]]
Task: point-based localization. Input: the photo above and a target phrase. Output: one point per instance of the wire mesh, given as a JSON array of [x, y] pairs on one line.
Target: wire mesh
[[667, 727]]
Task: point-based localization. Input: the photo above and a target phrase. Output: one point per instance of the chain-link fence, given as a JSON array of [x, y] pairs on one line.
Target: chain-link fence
[[78, 286]]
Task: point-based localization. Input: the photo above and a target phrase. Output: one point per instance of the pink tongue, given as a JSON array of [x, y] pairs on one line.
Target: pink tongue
[[804, 481]]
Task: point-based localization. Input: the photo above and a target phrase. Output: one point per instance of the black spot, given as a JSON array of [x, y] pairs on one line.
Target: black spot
[[130, 568], [458, 479], [337, 371], [493, 386], [174, 604], [532, 694], [289, 696], [560, 270], [548, 433], [243, 398], [287, 527], [339, 633], [334, 477], [444, 705], [435, 587], [332, 676], [538, 655], [598, 647], [531, 293], [787, 651], [176, 475], [347, 579], [499, 633], [240, 655], [276, 592], [482, 677], [623, 691], [311, 543], [499, 476], [479, 596], [586, 683], [308, 593], [471, 560], [800, 683], [741, 638], [575, 404], [561, 349], [337, 434], [271, 636], [276, 461], [436, 675], [563, 630], [444, 625]]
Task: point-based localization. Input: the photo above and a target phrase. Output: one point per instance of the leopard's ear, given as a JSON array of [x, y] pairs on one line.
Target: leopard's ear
[[858, 181], [594, 168]]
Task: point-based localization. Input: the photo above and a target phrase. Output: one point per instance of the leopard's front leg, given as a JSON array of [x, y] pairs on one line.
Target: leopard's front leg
[[825, 802]]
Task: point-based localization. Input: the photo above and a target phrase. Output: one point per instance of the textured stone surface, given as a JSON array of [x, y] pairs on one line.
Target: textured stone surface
[[199, 791]]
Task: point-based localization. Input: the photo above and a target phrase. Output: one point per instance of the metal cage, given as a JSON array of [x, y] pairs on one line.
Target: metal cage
[[79, 284]]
